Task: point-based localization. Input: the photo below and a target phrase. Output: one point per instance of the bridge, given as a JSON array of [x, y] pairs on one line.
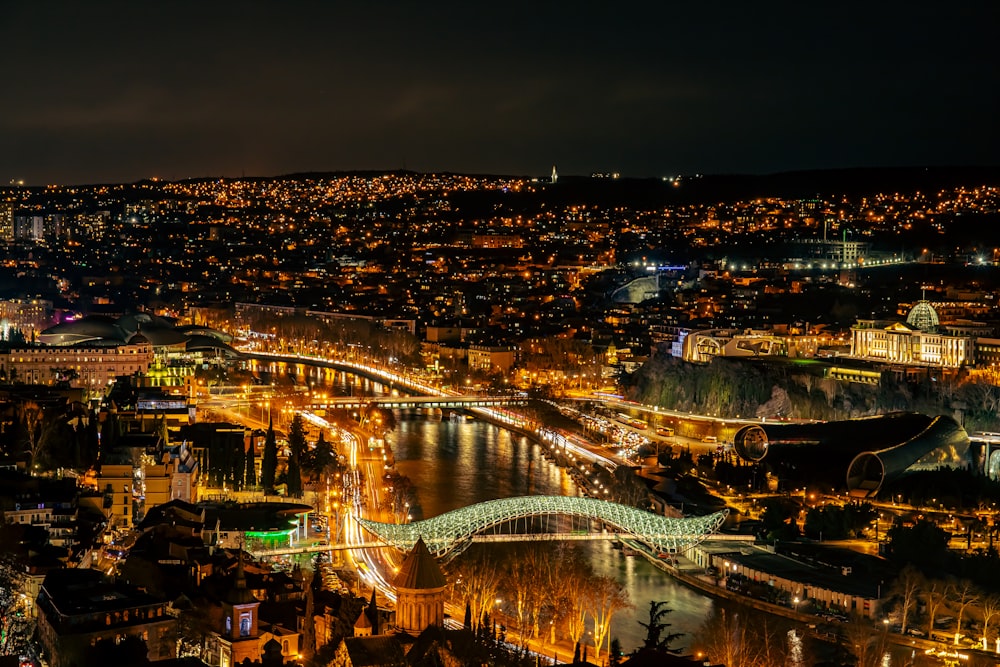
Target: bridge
[[407, 402], [455, 530], [475, 539]]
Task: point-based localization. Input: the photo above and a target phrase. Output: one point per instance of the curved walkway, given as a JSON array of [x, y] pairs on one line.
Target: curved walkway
[[452, 530]]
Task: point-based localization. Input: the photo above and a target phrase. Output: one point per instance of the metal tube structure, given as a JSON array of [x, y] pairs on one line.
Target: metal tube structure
[[942, 444], [824, 451]]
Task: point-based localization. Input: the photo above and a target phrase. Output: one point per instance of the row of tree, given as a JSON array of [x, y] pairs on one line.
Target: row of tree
[[48, 436], [915, 594], [731, 387], [925, 545], [304, 333], [542, 585], [233, 464]]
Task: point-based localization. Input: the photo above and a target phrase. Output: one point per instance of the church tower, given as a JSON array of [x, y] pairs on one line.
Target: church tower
[[367, 624], [239, 611], [362, 626], [419, 588], [555, 175]]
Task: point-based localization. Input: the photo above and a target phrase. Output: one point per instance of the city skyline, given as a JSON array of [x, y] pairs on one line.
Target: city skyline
[[120, 92]]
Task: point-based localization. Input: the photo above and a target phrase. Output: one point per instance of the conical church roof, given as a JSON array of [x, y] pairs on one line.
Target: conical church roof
[[420, 571], [239, 593], [363, 621]]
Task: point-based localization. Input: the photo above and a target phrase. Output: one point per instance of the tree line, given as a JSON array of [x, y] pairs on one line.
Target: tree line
[[539, 585], [781, 388]]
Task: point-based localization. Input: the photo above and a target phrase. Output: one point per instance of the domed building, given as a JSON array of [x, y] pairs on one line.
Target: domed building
[[91, 331], [167, 355], [917, 342], [923, 317]]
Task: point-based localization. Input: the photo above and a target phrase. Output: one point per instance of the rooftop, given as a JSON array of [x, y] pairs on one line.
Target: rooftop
[[81, 592], [420, 571]]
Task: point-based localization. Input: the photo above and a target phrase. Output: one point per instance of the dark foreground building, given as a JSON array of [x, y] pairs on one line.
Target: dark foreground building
[[78, 608]]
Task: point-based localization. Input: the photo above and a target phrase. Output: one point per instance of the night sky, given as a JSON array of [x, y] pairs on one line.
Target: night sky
[[107, 92]]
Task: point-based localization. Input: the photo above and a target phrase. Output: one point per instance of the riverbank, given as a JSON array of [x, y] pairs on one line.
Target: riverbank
[[832, 631]]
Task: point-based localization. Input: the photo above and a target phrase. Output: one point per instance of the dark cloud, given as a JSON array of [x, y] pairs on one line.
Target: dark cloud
[[122, 90]]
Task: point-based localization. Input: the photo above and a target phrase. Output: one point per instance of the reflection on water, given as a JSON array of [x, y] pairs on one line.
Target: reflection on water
[[794, 649], [458, 463]]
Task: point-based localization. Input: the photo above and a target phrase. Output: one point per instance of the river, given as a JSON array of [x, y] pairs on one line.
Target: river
[[457, 463], [454, 463]]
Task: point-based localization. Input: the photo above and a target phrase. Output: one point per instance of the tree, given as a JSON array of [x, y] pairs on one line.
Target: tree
[[297, 436], [615, 653], [725, 639], [163, 431], [924, 544], [607, 597], [935, 596], [568, 573], [991, 608], [39, 424], [963, 594], [656, 627], [293, 477], [749, 640], [907, 589], [250, 474], [868, 645], [321, 460], [976, 525], [628, 489], [269, 460], [522, 585], [297, 448], [778, 519], [477, 579], [574, 601]]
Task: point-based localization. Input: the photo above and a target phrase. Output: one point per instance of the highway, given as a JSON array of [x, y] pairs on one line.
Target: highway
[[363, 496]]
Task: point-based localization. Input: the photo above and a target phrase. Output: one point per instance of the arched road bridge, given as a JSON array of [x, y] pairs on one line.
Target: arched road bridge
[[453, 531]]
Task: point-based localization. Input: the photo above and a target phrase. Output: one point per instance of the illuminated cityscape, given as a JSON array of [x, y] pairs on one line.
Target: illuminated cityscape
[[499, 336]]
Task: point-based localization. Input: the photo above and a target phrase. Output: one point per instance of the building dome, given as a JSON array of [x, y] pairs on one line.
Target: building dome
[[94, 330], [923, 316]]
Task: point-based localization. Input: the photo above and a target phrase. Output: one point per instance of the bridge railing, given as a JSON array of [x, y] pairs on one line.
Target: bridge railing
[[446, 531]]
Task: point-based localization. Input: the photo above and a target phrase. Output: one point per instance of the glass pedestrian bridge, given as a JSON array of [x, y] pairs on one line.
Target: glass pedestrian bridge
[[454, 531]]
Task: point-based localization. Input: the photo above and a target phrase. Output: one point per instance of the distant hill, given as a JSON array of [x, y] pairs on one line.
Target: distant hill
[[826, 182], [651, 193], [654, 192]]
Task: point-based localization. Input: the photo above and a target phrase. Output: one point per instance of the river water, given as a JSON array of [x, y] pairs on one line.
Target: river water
[[457, 463], [454, 463]]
